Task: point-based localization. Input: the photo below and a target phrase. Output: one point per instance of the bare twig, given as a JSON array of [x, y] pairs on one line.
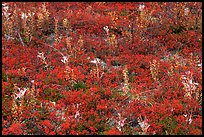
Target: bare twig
[[30, 38], [21, 39], [55, 49]]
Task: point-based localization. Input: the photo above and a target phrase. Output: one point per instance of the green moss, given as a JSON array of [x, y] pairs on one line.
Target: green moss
[[123, 12], [178, 30], [48, 94], [48, 79], [131, 78], [81, 127], [169, 123], [116, 94], [101, 133], [80, 85], [5, 77], [57, 97]]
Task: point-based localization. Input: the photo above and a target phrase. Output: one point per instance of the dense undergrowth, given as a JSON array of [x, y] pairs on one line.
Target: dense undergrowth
[[101, 68]]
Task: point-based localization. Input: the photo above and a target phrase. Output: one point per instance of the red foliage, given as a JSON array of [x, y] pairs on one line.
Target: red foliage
[[101, 68]]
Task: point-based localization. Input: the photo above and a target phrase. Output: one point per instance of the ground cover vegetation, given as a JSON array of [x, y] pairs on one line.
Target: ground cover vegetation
[[101, 68]]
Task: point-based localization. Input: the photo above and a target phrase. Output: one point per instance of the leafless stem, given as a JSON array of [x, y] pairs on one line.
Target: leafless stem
[[30, 38], [97, 70], [55, 49], [21, 39]]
